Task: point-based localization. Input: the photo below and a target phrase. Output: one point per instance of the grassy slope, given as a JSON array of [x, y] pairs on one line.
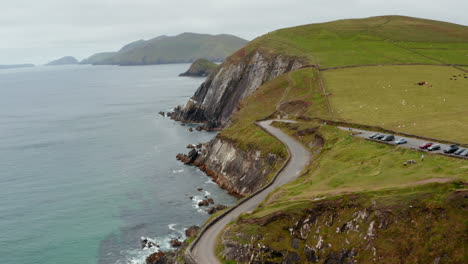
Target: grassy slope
[[375, 40], [389, 97], [349, 164]]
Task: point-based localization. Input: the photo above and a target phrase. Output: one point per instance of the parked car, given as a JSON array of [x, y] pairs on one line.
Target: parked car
[[459, 151], [374, 135], [426, 145], [388, 138], [380, 136], [434, 147], [451, 149], [401, 141]]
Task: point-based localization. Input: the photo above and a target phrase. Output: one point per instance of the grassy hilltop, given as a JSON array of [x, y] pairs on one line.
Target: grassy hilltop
[[424, 204], [375, 40]]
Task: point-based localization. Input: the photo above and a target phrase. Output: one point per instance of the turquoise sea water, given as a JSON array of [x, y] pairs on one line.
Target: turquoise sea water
[[87, 166]]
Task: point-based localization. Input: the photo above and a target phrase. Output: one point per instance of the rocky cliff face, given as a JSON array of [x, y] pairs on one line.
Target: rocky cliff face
[[238, 171], [217, 98], [354, 228]]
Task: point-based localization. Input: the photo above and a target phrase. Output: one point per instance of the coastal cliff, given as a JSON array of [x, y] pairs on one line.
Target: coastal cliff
[[218, 97], [238, 171], [200, 68]]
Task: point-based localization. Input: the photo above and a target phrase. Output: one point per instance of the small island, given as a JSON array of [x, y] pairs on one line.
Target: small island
[[200, 68], [67, 60]]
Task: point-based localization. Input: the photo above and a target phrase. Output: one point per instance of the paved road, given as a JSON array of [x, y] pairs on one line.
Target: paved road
[[203, 252], [413, 143]]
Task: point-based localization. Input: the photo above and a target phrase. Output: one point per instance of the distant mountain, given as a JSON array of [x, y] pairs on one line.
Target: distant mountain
[[16, 66], [200, 68], [67, 60], [183, 48], [99, 58]]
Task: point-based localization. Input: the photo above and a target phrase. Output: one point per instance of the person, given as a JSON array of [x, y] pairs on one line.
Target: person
[[422, 157]]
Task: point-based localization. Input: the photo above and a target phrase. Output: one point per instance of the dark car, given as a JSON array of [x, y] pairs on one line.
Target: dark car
[[426, 145], [451, 149], [374, 135], [434, 147], [380, 136], [388, 138], [459, 151]]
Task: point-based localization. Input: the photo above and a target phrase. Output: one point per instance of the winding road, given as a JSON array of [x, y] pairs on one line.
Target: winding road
[[202, 250]]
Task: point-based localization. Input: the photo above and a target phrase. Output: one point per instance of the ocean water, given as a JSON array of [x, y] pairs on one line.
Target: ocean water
[[87, 166]]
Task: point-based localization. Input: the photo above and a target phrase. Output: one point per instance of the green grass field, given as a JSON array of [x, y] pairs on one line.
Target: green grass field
[[389, 97], [348, 164], [374, 40]]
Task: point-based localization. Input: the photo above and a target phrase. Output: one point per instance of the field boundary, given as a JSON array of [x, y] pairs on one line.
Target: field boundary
[[377, 129], [395, 64]]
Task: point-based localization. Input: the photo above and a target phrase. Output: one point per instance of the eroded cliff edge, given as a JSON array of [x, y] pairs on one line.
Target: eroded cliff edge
[[238, 171], [217, 98], [241, 171]]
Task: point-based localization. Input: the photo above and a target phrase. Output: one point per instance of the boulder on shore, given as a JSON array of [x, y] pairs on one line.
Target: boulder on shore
[[216, 208], [203, 203], [175, 243], [146, 243], [192, 231], [155, 257]]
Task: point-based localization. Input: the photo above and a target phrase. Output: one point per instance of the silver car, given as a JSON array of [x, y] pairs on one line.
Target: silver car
[[401, 141]]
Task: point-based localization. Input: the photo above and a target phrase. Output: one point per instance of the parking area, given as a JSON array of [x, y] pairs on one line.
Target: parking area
[[412, 143]]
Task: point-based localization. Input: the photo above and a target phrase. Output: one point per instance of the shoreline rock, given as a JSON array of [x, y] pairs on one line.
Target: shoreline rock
[[192, 231]]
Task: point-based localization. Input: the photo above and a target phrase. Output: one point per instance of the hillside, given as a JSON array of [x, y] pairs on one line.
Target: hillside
[[68, 60], [356, 200], [183, 48], [343, 43], [200, 68]]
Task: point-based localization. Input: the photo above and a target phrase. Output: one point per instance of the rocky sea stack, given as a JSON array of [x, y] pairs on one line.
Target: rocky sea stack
[[200, 68]]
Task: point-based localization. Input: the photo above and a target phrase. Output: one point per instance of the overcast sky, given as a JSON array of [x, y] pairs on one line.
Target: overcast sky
[[37, 31]]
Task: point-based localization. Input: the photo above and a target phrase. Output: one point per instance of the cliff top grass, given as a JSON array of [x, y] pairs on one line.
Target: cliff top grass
[[374, 40], [347, 164], [389, 97]]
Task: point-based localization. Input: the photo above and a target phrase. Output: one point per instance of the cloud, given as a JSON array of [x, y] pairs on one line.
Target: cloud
[[39, 31]]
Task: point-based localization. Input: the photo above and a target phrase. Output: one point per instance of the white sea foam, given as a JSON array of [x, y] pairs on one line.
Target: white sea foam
[[207, 193], [139, 256], [177, 171], [210, 181]]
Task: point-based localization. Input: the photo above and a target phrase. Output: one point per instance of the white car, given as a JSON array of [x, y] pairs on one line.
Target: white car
[[401, 141]]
